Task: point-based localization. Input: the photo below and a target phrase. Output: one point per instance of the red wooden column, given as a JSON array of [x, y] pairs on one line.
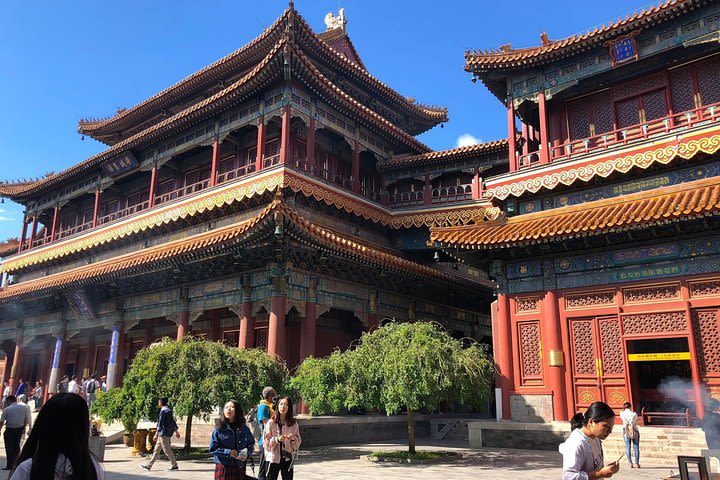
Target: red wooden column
[[309, 323], [427, 191], [149, 326], [33, 232], [214, 165], [526, 137], [91, 355], [553, 354], [53, 230], [503, 352], [544, 137], [247, 326], [153, 186], [276, 323], [310, 148], [477, 185], [17, 358], [22, 234], [356, 168], [697, 381], [260, 144], [96, 208], [183, 323], [285, 135], [512, 146]]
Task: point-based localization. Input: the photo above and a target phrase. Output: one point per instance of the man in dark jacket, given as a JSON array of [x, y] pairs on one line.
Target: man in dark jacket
[[166, 427]]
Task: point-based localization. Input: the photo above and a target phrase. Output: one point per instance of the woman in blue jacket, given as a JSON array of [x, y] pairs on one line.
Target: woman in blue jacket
[[231, 444]]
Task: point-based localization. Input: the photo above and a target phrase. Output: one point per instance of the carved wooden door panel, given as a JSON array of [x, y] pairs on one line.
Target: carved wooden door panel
[[597, 362]]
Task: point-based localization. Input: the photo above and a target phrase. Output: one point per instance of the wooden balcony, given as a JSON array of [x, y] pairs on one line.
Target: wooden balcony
[[406, 199], [111, 217], [458, 193]]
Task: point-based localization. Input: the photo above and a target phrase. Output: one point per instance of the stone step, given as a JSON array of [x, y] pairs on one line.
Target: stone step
[[658, 446]]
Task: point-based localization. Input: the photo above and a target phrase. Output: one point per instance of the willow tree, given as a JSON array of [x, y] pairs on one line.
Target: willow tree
[[197, 376], [401, 366]]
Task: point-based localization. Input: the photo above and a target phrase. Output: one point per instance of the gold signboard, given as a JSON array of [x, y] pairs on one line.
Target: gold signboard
[[555, 358], [654, 357]]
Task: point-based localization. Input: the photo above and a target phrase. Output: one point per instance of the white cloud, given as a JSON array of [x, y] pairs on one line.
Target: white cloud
[[6, 219], [465, 140]]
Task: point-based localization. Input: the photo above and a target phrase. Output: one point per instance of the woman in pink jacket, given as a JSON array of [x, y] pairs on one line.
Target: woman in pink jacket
[[281, 441]]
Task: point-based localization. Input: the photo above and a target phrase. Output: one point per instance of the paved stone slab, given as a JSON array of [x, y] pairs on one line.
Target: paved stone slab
[[343, 463]]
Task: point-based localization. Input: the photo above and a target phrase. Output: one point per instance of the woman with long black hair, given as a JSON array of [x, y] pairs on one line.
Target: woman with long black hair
[[231, 444], [57, 447], [582, 452]]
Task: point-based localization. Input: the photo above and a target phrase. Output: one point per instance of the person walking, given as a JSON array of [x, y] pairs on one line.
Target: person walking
[[73, 386], [7, 391], [21, 389], [14, 418], [91, 388], [22, 400], [631, 433], [57, 447], [38, 394], [264, 413], [166, 427], [582, 451], [282, 441], [231, 444]]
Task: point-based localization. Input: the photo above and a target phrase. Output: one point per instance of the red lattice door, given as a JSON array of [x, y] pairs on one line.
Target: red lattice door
[[598, 362]]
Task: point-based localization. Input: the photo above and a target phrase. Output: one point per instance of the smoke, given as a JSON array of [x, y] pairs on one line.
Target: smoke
[[681, 391]]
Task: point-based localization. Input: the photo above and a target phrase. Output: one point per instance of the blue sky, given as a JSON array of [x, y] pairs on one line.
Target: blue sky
[[62, 61]]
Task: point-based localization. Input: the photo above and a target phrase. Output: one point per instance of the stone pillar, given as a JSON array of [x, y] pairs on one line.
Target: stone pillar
[[112, 372], [553, 354], [276, 323], [55, 368], [309, 325]]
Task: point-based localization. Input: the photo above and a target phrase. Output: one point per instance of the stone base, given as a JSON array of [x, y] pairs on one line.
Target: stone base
[[535, 436], [531, 408]]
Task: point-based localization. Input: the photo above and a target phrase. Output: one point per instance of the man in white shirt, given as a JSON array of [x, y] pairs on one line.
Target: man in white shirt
[[631, 433], [22, 400], [73, 386], [6, 392], [14, 419]]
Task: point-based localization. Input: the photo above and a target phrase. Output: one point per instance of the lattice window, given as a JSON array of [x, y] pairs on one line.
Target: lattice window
[[638, 86], [655, 323], [527, 304], [578, 119], [530, 354], [261, 338], [227, 164], [602, 112], [165, 187], [705, 288], [80, 362], [102, 356], [590, 299], [134, 348], [628, 113], [272, 148], [611, 346], [299, 151], [707, 340], [197, 176], [581, 332], [655, 293], [231, 338], [681, 89], [137, 198], [654, 105], [708, 73], [108, 208]]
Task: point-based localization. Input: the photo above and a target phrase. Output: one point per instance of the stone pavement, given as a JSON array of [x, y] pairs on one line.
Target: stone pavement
[[343, 463]]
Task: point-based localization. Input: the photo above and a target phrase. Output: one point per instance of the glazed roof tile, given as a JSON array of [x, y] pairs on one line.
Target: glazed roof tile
[[439, 156], [298, 227], [507, 58], [678, 202], [126, 117], [9, 247]]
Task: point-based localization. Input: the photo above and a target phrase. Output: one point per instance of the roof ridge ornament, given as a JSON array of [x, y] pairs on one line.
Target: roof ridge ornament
[[333, 23]]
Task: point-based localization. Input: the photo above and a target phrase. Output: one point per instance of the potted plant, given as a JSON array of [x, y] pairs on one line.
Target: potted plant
[[113, 406]]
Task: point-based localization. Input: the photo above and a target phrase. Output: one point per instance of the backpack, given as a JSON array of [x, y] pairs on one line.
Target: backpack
[[252, 423], [62, 387], [91, 386]]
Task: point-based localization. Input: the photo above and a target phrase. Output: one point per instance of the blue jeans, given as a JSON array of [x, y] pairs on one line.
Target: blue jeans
[[636, 443]]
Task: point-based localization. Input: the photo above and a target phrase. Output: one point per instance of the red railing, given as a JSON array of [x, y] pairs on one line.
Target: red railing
[[456, 193], [406, 199], [344, 181], [271, 161], [237, 173], [181, 192], [123, 213], [626, 135], [75, 229]]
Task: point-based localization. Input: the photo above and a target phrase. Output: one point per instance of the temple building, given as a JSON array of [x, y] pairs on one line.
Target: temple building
[[607, 250], [277, 199]]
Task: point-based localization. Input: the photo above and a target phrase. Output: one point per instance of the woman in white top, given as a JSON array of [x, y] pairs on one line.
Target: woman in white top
[[631, 434], [57, 447]]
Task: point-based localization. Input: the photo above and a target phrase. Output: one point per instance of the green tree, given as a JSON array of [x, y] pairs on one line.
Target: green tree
[[410, 366], [197, 376]]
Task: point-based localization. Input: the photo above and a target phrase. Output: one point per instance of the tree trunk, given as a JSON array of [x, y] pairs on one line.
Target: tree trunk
[[188, 431], [411, 430]]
